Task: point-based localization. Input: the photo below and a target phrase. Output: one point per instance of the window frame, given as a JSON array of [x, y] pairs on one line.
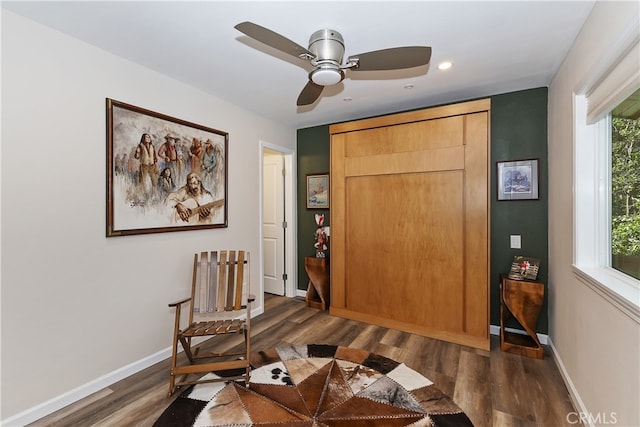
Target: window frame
[[610, 80], [592, 211]]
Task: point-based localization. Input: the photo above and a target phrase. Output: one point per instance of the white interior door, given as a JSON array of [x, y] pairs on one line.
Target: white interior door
[[273, 222]]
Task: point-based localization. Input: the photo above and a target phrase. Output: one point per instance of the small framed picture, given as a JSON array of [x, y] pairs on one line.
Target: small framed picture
[[518, 180], [524, 268], [318, 191]]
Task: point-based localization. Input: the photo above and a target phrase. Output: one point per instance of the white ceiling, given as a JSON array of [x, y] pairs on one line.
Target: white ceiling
[[495, 47]]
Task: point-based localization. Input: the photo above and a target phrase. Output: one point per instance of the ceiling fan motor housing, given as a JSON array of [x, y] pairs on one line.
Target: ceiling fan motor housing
[[328, 47]]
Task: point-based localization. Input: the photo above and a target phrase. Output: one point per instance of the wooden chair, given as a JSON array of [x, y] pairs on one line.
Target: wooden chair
[[220, 303]]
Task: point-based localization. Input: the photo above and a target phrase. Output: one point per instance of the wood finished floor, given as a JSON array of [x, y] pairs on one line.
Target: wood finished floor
[[493, 388]]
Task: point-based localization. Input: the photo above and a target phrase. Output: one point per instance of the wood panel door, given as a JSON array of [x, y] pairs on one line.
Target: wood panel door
[[410, 222]]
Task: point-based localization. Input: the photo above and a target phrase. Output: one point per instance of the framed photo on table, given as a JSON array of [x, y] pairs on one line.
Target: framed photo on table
[[163, 173], [518, 179], [318, 191]]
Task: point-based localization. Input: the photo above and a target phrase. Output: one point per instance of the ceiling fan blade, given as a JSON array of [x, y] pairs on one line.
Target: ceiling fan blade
[[392, 59], [273, 39], [309, 94]]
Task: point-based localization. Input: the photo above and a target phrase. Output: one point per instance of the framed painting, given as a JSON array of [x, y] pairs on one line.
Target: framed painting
[[318, 191], [518, 180], [163, 174]]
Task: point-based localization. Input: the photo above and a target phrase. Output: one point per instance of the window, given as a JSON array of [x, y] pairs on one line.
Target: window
[[607, 183], [625, 186]]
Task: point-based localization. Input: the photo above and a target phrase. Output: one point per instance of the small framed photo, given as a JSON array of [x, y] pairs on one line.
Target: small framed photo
[[524, 268], [318, 191], [518, 180]]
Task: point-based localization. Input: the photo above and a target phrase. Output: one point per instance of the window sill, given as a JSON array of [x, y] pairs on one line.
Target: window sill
[[620, 291]]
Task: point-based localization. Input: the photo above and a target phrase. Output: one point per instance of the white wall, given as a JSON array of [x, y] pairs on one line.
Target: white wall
[[598, 345], [77, 306]]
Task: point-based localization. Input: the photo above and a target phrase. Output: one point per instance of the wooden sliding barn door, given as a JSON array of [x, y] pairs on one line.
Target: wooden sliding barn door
[[410, 222]]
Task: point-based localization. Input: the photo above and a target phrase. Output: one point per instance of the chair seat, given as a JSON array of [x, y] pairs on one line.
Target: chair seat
[[215, 327]]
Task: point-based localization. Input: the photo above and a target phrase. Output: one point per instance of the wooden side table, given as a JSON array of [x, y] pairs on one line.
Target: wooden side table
[[318, 290], [521, 299]]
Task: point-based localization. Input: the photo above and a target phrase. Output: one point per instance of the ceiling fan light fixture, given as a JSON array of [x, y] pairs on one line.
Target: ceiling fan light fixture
[[326, 75], [325, 55]]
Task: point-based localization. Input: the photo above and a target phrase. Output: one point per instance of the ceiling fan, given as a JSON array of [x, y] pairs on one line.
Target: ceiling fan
[[325, 54]]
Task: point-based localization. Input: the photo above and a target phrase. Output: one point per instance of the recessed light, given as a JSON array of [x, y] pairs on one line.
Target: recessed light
[[347, 99], [444, 65], [408, 86]]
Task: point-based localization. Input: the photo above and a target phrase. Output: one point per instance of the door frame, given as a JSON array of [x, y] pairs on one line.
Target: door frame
[[289, 213]]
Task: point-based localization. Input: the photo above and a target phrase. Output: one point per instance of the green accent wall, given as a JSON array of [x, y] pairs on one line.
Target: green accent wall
[[313, 157], [518, 131]]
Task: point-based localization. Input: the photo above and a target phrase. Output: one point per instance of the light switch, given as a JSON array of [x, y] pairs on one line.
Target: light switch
[[515, 241]]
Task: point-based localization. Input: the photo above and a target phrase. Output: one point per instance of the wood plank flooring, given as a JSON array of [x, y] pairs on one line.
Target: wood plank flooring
[[493, 388]]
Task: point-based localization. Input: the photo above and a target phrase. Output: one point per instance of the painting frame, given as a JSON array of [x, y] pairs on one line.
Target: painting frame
[[317, 194], [183, 185], [526, 172]]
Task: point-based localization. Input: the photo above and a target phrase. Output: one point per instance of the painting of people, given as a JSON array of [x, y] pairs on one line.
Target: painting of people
[[163, 174]]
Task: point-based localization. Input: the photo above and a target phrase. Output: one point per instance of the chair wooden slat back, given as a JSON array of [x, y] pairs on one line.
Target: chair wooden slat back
[[213, 279], [240, 280], [220, 285], [219, 281], [204, 284], [222, 279], [231, 281]]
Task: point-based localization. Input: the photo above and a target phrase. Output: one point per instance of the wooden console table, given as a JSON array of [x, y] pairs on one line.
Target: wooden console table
[[521, 299], [318, 290]]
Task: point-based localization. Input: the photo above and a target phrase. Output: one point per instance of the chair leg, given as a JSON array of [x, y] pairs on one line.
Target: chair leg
[[186, 345], [247, 343], [174, 352]]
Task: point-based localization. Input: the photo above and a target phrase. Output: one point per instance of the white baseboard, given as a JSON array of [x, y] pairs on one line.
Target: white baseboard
[[573, 392], [50, 406], [495, 330], [42, 410]]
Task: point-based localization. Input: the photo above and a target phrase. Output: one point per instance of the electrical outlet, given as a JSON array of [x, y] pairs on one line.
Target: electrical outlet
[[516, 241]]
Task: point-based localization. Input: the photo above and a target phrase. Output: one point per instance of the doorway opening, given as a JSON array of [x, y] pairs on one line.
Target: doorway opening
[[278, 226]]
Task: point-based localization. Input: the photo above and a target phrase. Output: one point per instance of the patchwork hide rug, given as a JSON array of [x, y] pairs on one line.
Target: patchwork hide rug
[[317, 386]]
